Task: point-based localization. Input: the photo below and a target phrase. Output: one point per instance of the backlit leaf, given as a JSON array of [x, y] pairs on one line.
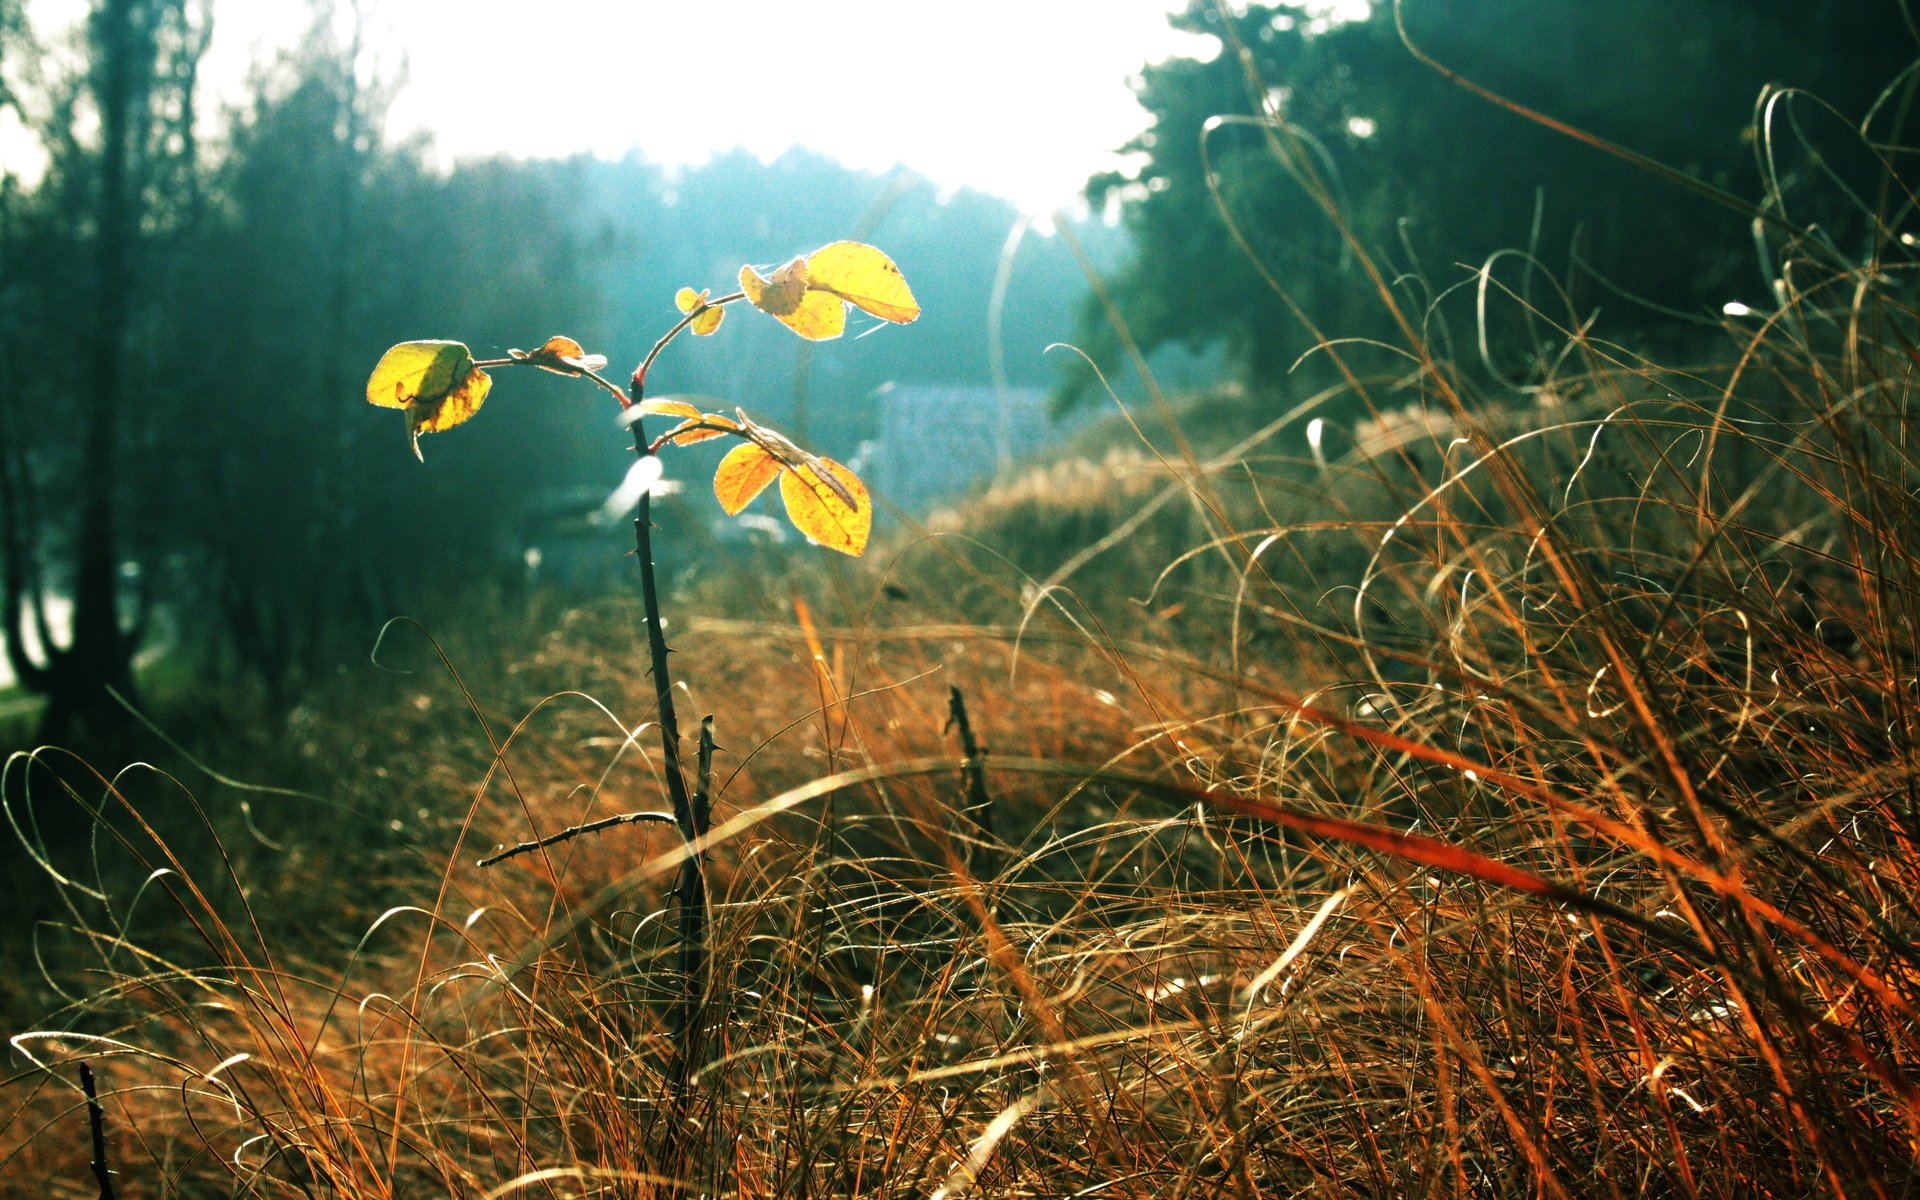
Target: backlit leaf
[[779, 295], [449, 410], [696, 426], [821, 317], [705, 427], [669, 408], [819, 510], [435, 382], [809, 295], [816, 316], [864, 278], [705, 319], [412, 369], [561, 355], [743, 474]]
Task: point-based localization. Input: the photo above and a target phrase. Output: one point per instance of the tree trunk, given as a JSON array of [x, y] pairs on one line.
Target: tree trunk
[[99, 655], [80, 678]]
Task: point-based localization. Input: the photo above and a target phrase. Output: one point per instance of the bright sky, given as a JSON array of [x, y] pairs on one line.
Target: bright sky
[[1024, 98]]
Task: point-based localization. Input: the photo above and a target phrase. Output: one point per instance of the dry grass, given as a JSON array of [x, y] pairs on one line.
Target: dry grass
[[1515, 798], [1656, 649]]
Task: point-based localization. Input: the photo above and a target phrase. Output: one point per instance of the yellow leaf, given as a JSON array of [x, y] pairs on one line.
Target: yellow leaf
[[780, 295], [435, 382], [786, 298], [456, 406], [437, 416], [561, 355], [821, 317], [864, 278], [809, 295], [684, 434], [669, 408], [743, 474], [413, 369], [818, 509], [691, 432], [816, 316], [705, 319]]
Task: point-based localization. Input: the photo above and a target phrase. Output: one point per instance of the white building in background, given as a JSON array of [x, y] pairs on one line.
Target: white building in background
[[937, 440]]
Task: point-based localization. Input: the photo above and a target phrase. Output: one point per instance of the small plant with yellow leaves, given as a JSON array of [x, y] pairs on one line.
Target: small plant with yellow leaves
[[439, 384]]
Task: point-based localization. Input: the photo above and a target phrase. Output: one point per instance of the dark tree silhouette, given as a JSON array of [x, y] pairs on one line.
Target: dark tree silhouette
[[1432, 178], [107, 198]]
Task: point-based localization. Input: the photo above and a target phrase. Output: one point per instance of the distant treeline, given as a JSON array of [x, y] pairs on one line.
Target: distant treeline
[[186, 326]]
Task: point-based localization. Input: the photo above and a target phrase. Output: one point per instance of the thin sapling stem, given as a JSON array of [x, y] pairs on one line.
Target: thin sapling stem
[[439, 385], [692, 892]]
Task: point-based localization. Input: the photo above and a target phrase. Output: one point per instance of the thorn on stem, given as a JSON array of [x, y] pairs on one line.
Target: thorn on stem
[[97, 1128]]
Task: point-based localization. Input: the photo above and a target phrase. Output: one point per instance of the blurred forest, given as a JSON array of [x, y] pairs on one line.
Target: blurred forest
[[186, 323], [1759, 101], [186, 317]]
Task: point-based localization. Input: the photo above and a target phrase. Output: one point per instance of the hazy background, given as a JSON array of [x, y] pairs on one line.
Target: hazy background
[[1021, 100], [216, 215]]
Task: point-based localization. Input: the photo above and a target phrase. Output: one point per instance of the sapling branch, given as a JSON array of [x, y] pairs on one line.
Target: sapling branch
[[692, 891], [777, 445], [612, 388], [679, 327], [574, 831], [667, 439], [703, 781], [693, 916], [439, 385], [973, 770], [687, 816], [97, 1134]]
